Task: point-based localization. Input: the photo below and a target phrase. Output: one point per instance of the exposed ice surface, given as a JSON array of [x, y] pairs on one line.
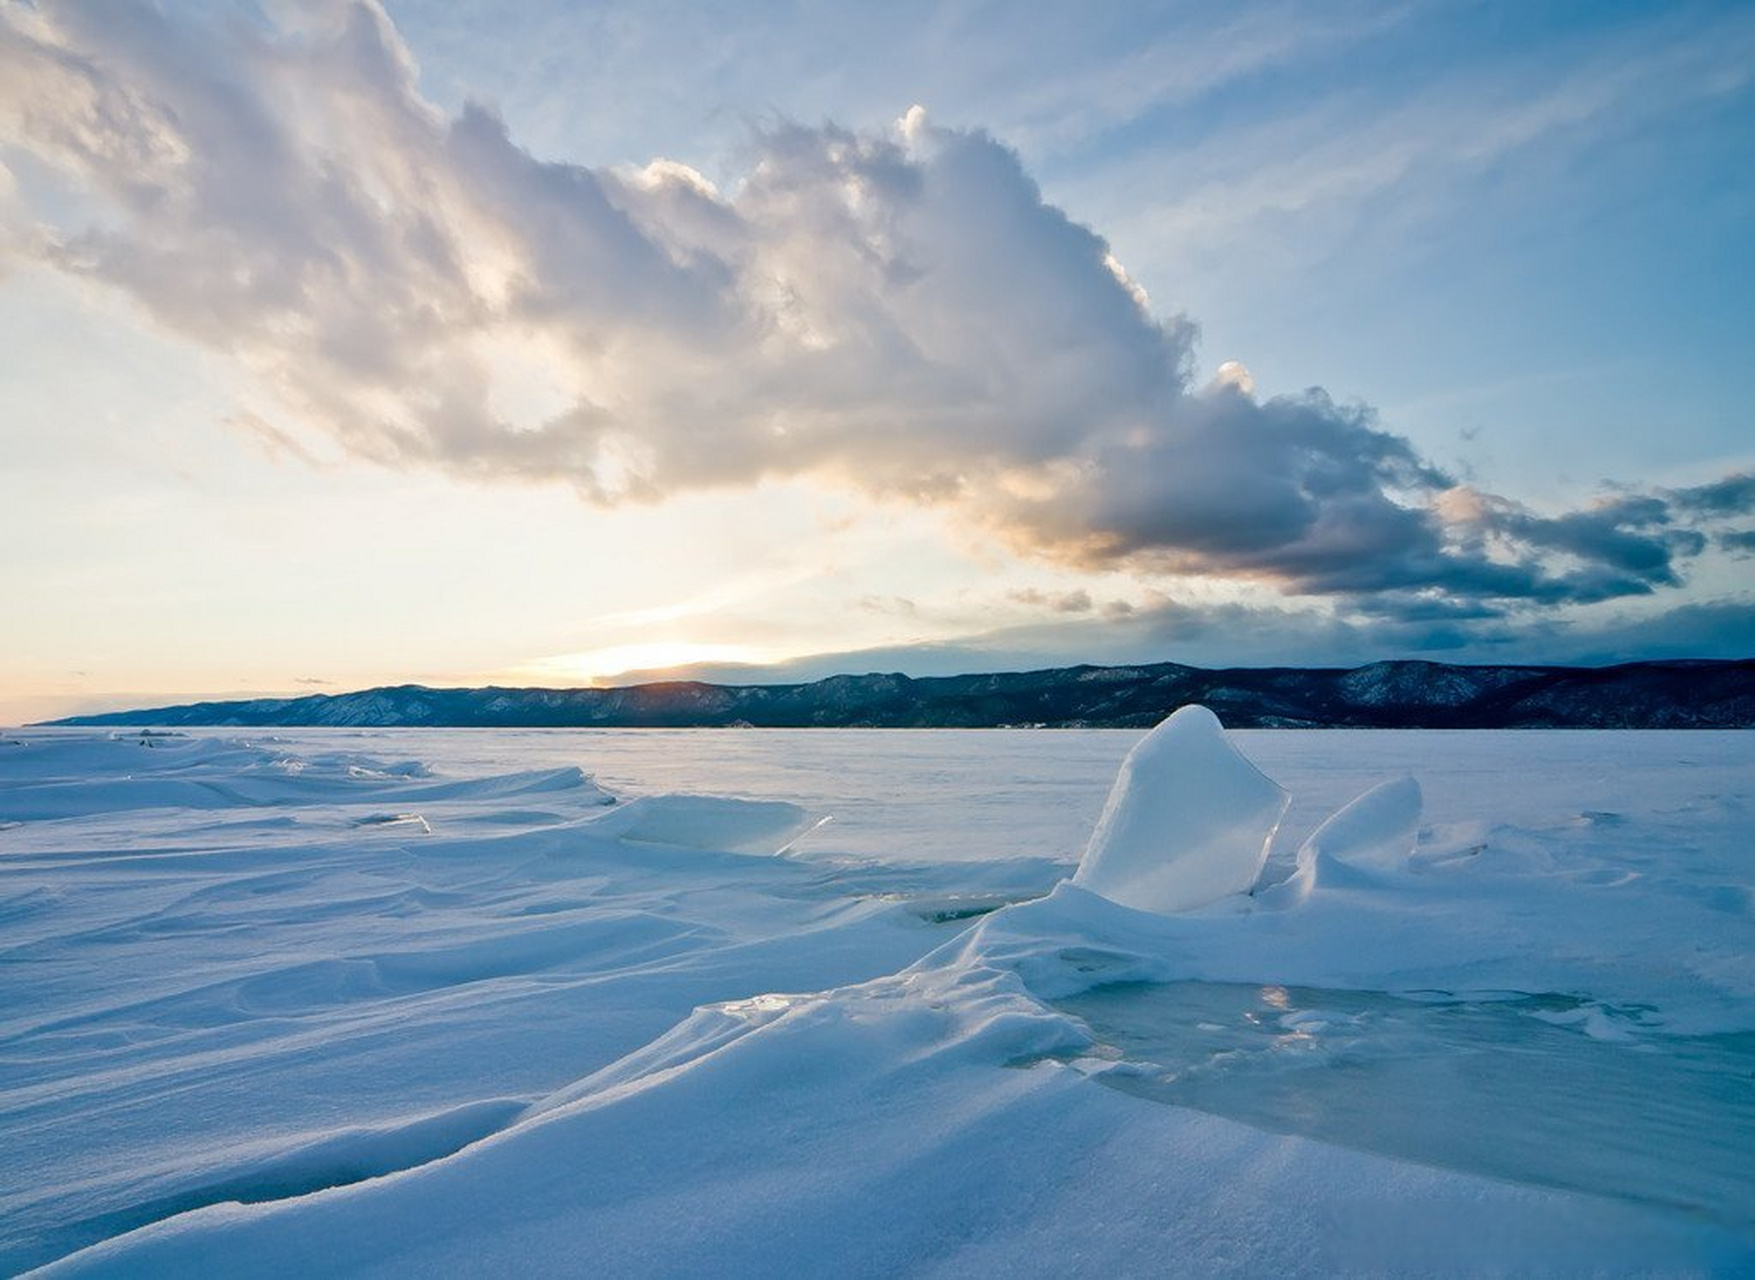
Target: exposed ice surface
[[252, 1027], [1188, 821], [1508, 1084]]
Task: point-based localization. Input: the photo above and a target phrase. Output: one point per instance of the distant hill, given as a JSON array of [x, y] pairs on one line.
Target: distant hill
[[1387, 695]]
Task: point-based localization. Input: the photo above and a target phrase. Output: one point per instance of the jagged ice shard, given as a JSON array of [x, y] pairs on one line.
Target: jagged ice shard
[[1187, 822]]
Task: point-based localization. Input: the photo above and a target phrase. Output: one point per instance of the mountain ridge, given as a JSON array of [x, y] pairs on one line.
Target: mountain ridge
[[1405, 694]]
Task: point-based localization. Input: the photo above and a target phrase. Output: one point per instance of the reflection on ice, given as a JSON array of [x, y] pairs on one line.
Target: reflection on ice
[[1544, 1089]]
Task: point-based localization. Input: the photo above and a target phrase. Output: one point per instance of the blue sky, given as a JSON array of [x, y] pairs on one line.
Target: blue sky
[[545, 343]]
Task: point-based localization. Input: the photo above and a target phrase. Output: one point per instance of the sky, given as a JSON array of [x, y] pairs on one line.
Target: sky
[[561, 343]]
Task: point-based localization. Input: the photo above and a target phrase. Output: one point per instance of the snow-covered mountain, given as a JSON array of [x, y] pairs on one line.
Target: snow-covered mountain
[[1642, 695]]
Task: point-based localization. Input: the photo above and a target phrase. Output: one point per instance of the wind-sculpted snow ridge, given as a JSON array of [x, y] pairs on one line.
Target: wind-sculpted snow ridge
[[271, 970], [76, 776], [588, 1043]]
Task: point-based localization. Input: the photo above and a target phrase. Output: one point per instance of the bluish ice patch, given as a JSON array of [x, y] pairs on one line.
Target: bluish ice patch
[[1544, 1089]]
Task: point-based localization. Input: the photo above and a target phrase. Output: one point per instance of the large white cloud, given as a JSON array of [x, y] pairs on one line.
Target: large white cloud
[[898, 311]]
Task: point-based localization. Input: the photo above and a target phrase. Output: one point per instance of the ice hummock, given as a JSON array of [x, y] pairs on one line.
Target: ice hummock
[[1188, 821], [1374, 833]]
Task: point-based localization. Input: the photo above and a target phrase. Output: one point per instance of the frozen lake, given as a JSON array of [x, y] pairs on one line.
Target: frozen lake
[[952, 794], [404, 1001]]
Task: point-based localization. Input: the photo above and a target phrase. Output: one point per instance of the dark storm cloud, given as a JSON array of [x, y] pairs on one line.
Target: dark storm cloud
[[1734, 495], [1237, 635]]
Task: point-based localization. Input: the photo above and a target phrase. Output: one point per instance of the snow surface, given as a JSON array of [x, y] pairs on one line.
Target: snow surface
[[259, 1020]]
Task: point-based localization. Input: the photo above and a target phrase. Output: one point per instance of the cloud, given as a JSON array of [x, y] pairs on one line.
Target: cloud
[[1734, 495], [899, 606], [273, 441], [1062, 602], [1282, 191], [1706, 629], [1237, 635], [898, 312]]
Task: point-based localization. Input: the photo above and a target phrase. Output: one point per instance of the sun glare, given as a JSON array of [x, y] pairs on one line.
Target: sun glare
[[602, 666]]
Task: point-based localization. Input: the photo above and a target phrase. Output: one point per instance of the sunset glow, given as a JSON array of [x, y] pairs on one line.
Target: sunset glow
[[601, 666]]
